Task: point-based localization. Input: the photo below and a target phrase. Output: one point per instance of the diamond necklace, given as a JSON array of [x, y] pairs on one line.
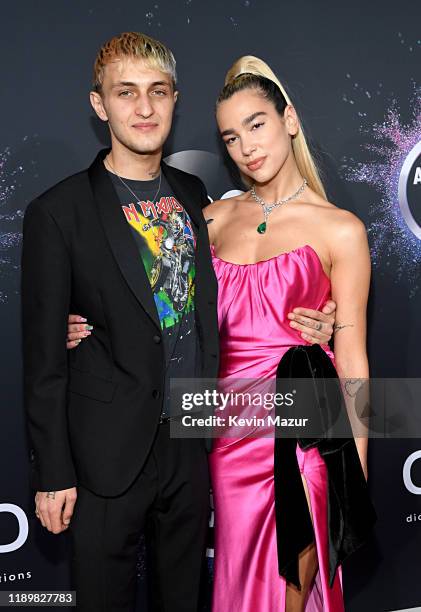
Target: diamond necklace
[[267, 208]]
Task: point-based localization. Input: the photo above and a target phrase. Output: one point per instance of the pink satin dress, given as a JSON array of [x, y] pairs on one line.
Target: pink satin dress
[[253, 303]]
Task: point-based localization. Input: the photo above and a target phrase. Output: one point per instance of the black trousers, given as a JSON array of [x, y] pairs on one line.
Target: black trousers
[[170, 498]]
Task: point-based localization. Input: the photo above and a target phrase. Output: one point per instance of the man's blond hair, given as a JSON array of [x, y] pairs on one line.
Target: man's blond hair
[[134, 45]]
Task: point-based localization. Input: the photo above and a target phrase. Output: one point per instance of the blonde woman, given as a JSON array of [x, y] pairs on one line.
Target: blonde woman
[[279, 243]]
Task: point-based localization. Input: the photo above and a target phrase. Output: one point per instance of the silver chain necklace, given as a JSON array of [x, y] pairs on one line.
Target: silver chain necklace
[[131, 191], [268, 208]]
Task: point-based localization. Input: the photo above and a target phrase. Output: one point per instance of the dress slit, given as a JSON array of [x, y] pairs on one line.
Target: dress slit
[[314, 472]]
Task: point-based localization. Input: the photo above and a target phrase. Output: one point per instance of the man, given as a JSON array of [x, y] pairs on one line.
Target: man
[[124, 243]]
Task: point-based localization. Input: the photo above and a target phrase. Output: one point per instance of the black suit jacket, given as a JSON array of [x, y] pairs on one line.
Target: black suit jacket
[[93, 412]]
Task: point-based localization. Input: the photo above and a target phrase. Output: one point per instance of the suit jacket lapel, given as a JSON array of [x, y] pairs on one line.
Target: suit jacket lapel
[[119, 235]]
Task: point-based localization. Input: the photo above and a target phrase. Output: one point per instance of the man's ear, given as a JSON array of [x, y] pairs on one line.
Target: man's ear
[[175, 96], [97, 105]]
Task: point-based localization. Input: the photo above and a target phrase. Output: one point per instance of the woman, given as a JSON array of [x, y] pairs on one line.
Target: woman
[[278, 244], [300, 248]]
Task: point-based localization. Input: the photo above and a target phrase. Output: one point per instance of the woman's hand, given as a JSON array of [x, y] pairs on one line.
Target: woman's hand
[[77, 330]]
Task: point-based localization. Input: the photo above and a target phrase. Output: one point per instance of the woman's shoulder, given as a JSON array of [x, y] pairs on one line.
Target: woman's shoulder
[[343, 223], [340, 230], [221, 208], [218, 213]]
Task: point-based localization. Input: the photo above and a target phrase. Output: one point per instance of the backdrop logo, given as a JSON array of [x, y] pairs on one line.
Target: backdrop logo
[[407, 476], [219, 182], [409, 190], [393, 167], [23, 527]]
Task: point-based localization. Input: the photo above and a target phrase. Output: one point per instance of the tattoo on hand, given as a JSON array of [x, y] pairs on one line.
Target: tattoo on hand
[[51, 494], [339, 326]]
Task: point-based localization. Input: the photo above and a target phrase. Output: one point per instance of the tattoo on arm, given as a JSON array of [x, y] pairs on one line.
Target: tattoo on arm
[[339, 326], [352, 386]]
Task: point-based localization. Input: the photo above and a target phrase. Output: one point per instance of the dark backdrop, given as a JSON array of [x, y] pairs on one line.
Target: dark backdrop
[[353, 71]]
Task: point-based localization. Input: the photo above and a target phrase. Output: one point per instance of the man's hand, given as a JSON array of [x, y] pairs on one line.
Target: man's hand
[[55, 508], [315, 326], [77, 330]]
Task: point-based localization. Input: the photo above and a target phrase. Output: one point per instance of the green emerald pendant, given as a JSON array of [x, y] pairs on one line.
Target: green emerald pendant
[[262, 228]]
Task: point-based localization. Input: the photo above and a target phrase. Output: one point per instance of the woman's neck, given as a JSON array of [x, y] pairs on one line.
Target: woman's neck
[[283, 184]]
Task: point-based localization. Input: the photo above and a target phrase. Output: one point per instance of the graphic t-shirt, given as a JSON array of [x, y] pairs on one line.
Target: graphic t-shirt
[[165, 238]]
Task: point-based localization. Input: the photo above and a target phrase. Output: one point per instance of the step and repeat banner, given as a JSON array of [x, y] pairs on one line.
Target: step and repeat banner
[[353, 72]]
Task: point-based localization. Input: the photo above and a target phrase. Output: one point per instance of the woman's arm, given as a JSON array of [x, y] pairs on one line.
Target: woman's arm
[[350, 279]]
